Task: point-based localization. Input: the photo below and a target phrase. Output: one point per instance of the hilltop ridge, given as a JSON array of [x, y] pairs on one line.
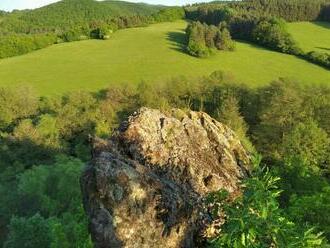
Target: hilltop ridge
[[69, 13]]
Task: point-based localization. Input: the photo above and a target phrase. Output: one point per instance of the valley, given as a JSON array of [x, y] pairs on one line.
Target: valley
[[150, 54]]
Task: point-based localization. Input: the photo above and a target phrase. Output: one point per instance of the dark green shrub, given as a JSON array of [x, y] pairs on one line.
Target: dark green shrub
[[319, 58], [17, 44], [28, 232], [103, 31], [204, 39], [273, 34], [223, 40], [256, 220]]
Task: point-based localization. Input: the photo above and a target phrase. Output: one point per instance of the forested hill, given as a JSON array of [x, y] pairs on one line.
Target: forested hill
[[290, 10], [69, 13]]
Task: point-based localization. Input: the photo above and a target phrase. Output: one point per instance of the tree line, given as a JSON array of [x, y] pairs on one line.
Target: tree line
[[289, 10], [17, 44], [263, 22], [44, 143]]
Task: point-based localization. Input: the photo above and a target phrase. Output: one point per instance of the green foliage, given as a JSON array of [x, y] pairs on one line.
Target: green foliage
[[70, 14], [296, 130], [53, 192], [77, 114], [308, 142], [261, 22], [322, 59], [15, 104], [305, 194], [17, 44], [229, 114], [223, 40], [297, 180], [256, 220], [29, 144], [203, 39], [287, 122], [103, 31], [274, 35], [28, 232], [311, 210], [198, 49], [275, 121], [196, 40], [43, 133], [36, 231], [116, 104], [74, 34], [290, 10]]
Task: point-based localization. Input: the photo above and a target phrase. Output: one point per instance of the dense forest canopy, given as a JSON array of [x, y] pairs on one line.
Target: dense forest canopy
[[290, 10], [68, 14], [45, 141]]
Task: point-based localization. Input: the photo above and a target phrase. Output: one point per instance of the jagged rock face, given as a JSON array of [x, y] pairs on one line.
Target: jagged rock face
[[145, 186]]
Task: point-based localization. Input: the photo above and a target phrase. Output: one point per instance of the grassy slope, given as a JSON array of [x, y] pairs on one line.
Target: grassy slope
[[149, 54], [311, 36]]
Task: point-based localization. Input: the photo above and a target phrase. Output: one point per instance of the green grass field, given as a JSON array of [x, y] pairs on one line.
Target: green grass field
[[311, 36], [151, 54]]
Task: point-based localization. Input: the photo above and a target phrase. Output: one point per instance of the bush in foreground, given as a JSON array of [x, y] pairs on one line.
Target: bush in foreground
[[256, 220]]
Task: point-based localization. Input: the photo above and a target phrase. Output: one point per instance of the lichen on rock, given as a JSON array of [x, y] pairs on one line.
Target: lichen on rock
[[145, 185]]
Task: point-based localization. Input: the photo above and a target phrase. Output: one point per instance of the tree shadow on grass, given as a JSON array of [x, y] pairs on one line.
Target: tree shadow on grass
[[323, 48], [254, 46], [302, 57], [177, 41], [323, 24]]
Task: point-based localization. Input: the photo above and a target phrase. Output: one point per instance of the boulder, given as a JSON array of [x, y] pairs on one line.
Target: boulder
[[146, 185]]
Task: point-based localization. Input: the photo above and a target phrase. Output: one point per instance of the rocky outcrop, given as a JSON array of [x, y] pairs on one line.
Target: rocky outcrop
[[145, 185]]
